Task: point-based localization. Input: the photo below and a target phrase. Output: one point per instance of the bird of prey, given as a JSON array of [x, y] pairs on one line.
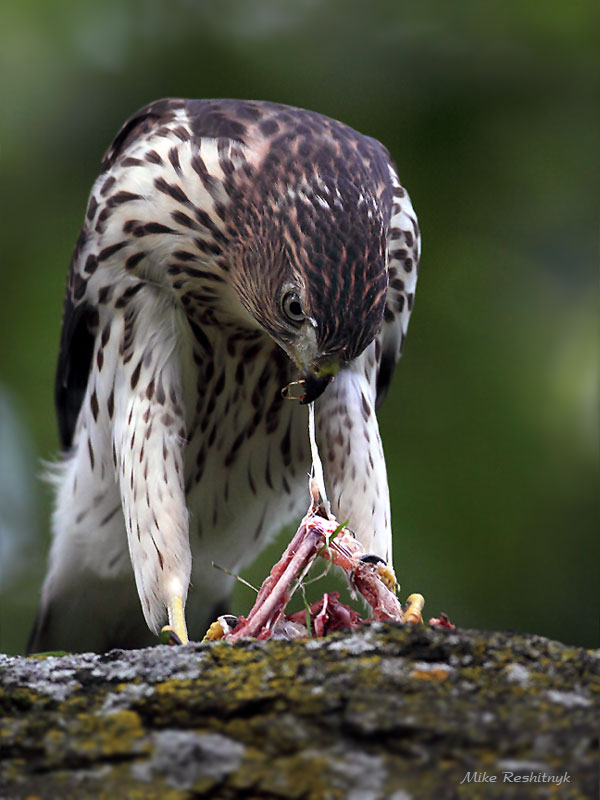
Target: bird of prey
[[229, 248]]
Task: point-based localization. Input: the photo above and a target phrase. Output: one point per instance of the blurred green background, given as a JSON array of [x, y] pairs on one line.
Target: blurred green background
[[491, 113]]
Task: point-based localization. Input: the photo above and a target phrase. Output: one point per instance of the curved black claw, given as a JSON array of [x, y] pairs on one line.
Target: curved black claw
[[372, 559], [228, 619], [168, 636]]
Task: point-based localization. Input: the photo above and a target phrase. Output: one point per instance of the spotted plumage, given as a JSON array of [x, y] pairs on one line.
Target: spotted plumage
[[228, 246]]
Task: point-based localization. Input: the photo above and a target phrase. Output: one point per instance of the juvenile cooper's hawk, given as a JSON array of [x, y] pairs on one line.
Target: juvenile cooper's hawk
[[228, 247]]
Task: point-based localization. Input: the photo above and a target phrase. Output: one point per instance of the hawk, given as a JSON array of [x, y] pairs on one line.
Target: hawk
[[229, 248]]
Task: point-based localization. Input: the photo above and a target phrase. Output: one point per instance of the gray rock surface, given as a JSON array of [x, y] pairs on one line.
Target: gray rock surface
[[383, 712]]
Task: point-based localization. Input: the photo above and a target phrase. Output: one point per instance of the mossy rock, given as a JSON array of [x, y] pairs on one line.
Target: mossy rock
[[383, 712]]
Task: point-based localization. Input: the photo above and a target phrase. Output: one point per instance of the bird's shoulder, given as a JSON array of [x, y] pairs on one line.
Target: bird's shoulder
[[148, 120], [403, 251]]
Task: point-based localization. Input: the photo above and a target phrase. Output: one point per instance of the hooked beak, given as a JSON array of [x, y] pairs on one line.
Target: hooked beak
[[314, 386], [311, 383]]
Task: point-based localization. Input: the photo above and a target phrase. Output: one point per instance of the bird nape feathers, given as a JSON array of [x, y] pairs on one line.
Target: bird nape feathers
[[229, 248]]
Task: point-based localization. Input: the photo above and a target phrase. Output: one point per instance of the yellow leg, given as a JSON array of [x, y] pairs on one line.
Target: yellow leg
[[414, 608], [177, 619]]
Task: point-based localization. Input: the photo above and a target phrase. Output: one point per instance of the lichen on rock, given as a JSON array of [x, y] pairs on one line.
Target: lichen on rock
[[382, 712]]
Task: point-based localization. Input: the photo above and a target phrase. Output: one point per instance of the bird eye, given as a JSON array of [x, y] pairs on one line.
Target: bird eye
[[292, 307]]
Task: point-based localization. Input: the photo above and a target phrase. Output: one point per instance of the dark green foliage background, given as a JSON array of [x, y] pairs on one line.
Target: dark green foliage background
[[491, 113]]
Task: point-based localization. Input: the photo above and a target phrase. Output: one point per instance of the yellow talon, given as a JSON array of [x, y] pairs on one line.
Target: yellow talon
[[415, 603], [214, 633], [387, 575]]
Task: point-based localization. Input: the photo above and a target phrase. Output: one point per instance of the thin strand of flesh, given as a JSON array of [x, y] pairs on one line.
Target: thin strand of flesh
[[317, 465], [320, 576]]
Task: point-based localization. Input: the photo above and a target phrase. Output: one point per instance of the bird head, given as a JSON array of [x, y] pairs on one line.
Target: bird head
[[313, 274]]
